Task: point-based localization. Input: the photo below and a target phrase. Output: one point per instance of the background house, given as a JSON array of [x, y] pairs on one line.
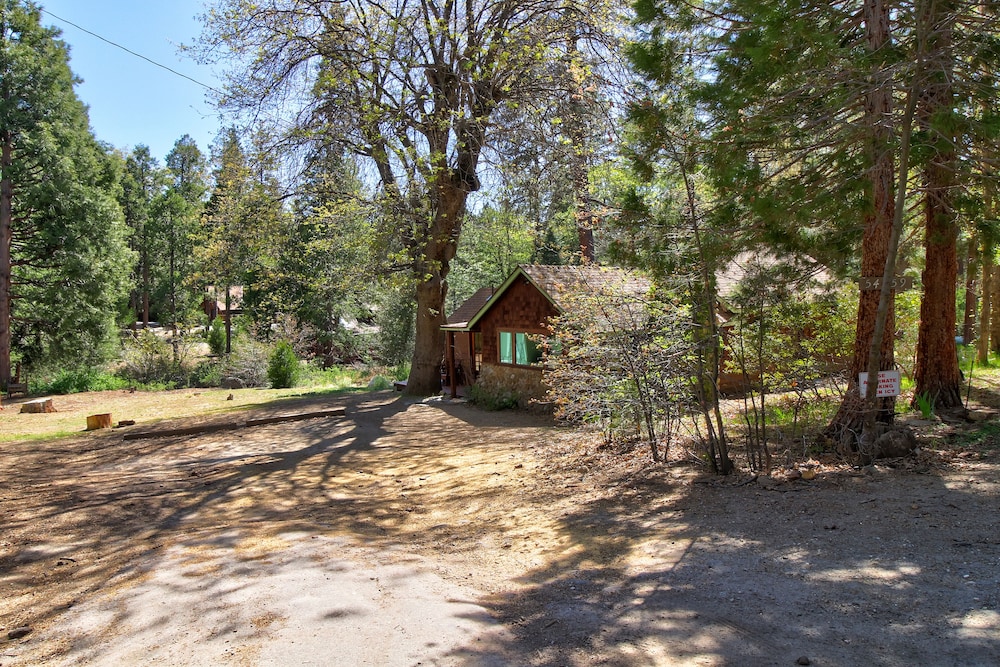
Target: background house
[[214, 302]]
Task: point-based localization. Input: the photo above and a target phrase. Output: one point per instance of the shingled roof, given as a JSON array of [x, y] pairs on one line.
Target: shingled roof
[[557, 284], [800, 273], [464, 313]]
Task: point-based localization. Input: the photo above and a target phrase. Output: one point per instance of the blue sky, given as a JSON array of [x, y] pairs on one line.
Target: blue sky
[[133, 101]]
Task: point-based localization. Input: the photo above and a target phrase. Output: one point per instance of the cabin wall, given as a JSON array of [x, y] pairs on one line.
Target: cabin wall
[[520, 308]]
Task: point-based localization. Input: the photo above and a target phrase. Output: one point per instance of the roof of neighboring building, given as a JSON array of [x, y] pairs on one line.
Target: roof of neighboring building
[[218, 295], [800, 273], [460, 318]]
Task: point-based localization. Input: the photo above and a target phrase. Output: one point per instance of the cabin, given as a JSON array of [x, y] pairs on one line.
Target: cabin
[[493, 338]]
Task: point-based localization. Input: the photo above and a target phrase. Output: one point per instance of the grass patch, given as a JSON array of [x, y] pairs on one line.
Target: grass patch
[[149, 407], [985, 436]]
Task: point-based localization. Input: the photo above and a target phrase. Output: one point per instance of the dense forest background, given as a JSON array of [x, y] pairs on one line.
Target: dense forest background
[[384, 161]]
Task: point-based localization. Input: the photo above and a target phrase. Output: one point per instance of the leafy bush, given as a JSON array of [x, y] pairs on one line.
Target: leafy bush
[[206, 374], [146, 358], [248, 362], [217, 336], [379, 383], [492, 400], [79, 380], [623, 362], [283, 366]]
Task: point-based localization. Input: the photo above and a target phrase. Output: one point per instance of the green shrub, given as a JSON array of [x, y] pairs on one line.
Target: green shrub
[[217, 336], [492, 400], [379, 383], [79, 380], [283, 366], [146, 358], [206, 374]]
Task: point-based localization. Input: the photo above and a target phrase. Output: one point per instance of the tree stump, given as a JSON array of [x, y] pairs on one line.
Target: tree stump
[[95, 422], [38, 406]]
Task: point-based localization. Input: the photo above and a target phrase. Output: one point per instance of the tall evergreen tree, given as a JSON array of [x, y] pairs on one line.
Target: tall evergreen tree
[[142, 182], [178, 212], [63, 254]]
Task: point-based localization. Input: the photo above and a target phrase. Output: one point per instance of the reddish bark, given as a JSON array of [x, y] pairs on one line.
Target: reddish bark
[[937, 374], [877, 230]]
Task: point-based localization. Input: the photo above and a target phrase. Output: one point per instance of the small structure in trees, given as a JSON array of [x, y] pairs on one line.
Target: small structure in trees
[[217, 303], [763, 295]]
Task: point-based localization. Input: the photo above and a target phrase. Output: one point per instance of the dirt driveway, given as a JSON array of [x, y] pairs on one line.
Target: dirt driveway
[[438, 534]]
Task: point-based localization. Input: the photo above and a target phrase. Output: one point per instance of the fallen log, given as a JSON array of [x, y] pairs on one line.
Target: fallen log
[[187, 430], [277, 419], [231, 426]]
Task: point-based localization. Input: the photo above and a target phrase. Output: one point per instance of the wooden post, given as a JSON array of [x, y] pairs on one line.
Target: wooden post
[[450, 342]]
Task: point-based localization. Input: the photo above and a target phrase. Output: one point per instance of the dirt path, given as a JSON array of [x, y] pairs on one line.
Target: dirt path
[[437, 534]]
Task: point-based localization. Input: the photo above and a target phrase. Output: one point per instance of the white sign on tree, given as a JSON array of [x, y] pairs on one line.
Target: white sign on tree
[[888, 384]]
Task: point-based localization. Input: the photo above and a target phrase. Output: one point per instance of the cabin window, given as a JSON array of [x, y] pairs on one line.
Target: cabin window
[[520, 349]]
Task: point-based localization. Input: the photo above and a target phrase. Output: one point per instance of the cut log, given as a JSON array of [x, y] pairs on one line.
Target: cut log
[[38, 405], [95, 422]]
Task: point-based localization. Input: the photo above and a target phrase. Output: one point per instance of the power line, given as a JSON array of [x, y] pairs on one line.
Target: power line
[[131, 52]]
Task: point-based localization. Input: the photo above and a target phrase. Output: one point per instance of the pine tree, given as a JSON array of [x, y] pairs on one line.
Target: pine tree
[[63, 255], [142, 182], [178, 212]]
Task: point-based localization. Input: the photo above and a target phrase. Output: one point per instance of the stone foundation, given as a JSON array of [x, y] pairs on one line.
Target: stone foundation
[[524, 383]]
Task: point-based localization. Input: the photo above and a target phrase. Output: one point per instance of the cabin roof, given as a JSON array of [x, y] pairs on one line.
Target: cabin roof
[[459, 319], [555, 283]]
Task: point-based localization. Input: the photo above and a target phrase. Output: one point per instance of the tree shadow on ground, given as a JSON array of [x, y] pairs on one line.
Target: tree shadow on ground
[[85, 517], [661, 567], [872, 568]]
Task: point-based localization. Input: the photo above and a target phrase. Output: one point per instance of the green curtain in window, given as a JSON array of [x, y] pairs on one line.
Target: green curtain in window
[[506, 347], [521, 353]]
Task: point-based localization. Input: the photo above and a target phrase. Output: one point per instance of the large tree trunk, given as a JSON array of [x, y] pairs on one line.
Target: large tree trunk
[[987, 286], [431, 270], [877, 231], [994, 320], [6, 235], [937, 374]]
